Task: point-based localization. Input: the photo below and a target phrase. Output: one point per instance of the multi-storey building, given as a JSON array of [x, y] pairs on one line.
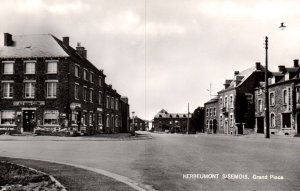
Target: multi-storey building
[[174, 122], [47, 84], [236, 101], [284, 102], [211, 115], [139, 124]]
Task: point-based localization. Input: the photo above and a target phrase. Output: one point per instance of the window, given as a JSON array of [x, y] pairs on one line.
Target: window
[[100, 81], [91, 119], [225, 103], [29, 68], [107, 121], [51, 117], [272, 120], [85, 74], [74, 117], [289, 98], [85, 93], [231, 101], [221, 102], [112, 104], [91, 77], [117, 122], [285, 97], [272, 99], [84, 119], [7, 88], [259, 91], [8, 117], [221, 120], [100, 119], [52, 67], [112, 121], [215, 111], [260, 109], [231, 120], [76, 91], [51, 89], [207, 112], [76, 70], [107, 102], [100, 98], [29, 89], [298, 94], [91, 95], [8, 68], [117, 104]]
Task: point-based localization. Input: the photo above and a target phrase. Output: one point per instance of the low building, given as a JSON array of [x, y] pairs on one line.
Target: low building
[[170, 122], [139, 124]]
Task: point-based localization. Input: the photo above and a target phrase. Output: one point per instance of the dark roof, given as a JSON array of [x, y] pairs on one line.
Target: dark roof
[[164, 114]]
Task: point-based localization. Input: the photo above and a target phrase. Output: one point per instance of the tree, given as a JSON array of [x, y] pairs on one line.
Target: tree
[[197, 120]]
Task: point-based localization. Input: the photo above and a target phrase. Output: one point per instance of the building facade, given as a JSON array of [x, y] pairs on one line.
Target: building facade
[[284, 102], [170, 122], [46, 84], [211, 115]]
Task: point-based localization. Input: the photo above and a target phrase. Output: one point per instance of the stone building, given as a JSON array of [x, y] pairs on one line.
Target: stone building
[[125, 115], [284, 102], [171, 122], [211, 115], [139, 124], [236, 101], [46, 84]]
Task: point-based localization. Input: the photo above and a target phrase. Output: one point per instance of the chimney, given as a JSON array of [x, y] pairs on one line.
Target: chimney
[[281, 68], [81, 50], [66, 40], [236, 73], [8, 39], [258, 66], [296, 63]]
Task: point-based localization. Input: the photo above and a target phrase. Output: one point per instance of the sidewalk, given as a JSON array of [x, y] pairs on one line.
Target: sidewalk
[[98, 137], [74, 179]]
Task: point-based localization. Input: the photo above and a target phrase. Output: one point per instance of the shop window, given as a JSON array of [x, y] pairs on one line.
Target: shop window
[[8, 117], [74, 117], [51, 117]]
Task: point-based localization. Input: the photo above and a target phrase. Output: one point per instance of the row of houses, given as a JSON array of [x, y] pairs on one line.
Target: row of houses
[[239, 108], [46, 84]]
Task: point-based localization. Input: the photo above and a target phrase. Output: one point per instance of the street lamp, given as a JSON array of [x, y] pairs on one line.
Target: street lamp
[[133, 126], [267, 135]]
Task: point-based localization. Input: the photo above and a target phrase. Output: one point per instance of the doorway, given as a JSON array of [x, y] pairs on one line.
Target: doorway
[[28, 120], [260, 124]]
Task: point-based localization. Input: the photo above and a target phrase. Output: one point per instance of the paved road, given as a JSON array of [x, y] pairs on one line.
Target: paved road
[[162, 161]]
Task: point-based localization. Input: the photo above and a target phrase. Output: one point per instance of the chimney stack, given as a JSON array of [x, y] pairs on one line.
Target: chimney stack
[[66, 40], [236, 73], [296, 63], [281, 68], [81, 50], [8, 39], [258, 66]]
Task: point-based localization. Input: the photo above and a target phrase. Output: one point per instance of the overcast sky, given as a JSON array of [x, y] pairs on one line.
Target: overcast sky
[[165, 53]]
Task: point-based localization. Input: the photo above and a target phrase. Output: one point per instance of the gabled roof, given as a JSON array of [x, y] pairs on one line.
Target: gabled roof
[[27, 46]]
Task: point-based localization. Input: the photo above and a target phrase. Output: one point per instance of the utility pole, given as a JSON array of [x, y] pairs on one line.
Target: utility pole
[[188, 120], [267, 117]]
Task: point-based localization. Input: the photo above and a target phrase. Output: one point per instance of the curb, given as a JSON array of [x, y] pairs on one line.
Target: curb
[[120, 178]]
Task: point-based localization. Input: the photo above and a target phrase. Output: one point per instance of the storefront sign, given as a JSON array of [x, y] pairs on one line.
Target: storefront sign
[[28, 103], [99, 109]]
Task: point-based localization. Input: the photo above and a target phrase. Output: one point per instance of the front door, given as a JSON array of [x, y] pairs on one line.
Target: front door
[[28, 120], [260, 124]]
